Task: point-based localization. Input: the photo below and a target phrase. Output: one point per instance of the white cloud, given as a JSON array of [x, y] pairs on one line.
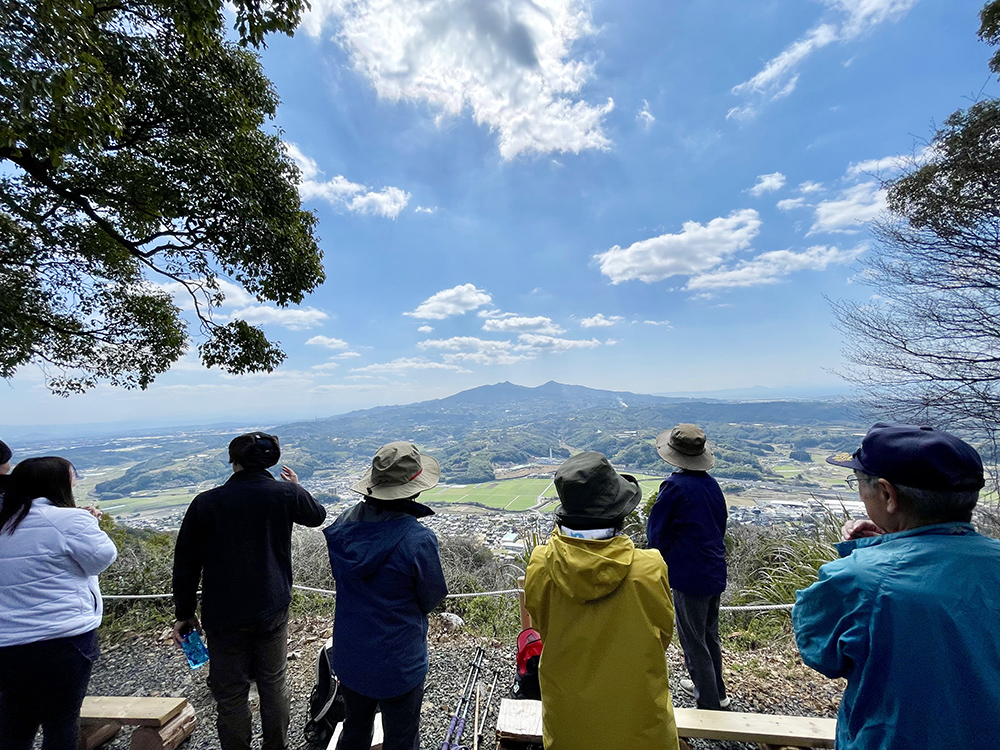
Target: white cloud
[[331, 365], [517, 323], [645, 117], [459, 349], [657, 323], [851, 208], [455, 301], [888, 165], [407, 364], [472, 349], [769, 268], [348, 355], [426, 210], [508, 61], [341, 192], [328, 342], [307, 165], [295, 318], [790, 203], [532, 342], [779, 75], [767, 183], [808, 187], [696, 248], [233, 294], [425, 329], [599, 321]]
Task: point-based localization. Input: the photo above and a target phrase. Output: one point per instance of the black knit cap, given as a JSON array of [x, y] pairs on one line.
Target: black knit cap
[[255, 450], [5, 453]]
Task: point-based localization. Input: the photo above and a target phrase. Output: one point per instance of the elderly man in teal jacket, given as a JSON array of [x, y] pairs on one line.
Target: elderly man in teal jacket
[[910, 614]]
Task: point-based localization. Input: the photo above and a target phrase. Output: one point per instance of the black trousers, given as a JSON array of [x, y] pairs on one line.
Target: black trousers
[[400, 720], [42, 684], [697, 620], [236, 657]]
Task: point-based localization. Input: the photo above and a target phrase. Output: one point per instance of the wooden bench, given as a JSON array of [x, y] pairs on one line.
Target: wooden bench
[[520, 721], [160, 723], [376, 734]]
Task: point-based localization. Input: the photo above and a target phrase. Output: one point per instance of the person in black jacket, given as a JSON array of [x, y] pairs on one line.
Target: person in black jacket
[[389, 578], [236, 539]]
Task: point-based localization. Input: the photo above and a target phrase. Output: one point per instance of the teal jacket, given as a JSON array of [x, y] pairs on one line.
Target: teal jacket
[[912, 620]]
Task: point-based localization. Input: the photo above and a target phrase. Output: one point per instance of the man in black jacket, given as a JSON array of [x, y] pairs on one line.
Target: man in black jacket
[[236, 539]]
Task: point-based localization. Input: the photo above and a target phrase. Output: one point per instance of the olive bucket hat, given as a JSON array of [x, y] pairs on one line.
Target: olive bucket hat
[[592, 495], [685, 447], [398, 472]]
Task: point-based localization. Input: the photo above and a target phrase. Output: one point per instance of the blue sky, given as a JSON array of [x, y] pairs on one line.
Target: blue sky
[[644, 196]]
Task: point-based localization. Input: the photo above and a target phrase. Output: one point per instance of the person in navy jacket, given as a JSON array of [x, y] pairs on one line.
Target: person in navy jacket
[[51, 553], [389, 578], [688, 525]]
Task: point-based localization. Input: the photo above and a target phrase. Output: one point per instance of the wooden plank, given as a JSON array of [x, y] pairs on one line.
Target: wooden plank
[[768, 729], [144, 712], [521, 720], [94, 735], [376, 734], [169, 736]]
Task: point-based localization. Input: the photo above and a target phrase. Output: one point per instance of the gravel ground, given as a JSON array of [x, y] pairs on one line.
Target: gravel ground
[[766, 680]]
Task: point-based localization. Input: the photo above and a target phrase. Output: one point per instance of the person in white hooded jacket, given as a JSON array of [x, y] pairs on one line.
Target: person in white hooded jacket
[[50, 604]]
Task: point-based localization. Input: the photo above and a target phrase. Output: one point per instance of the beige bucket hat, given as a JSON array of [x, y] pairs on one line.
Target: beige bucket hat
[[685, 447], [398, 472]]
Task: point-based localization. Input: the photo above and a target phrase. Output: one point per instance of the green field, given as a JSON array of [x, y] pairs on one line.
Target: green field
[[509, 494]]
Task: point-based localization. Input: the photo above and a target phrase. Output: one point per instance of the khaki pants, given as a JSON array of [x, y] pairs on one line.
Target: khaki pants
[[236, 657]]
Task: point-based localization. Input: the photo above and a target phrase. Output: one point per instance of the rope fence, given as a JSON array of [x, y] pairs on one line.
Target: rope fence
[[501, 592]]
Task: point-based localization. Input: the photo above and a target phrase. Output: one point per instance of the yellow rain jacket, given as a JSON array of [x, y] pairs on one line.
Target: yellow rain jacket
[[605, 614]]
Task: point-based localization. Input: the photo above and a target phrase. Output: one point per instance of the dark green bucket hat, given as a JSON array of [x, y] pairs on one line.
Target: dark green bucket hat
[[592, 494]]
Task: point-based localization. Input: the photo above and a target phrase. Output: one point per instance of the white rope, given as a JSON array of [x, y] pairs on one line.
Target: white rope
[[755, 607], [484, 593], [501, 592], [136, 596]]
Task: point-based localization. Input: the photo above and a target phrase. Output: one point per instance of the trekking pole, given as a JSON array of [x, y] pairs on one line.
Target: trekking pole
[[489, 700], [446, 745], [457, 744], [475, 722]]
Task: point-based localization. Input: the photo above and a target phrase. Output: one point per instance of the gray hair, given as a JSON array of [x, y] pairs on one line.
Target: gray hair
[[932, 506]]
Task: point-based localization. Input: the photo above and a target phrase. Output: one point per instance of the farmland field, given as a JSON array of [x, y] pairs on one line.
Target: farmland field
[[512, 494], [509, 494]]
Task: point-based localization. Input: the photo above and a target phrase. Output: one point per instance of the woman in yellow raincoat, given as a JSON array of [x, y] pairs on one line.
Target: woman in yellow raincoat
[[605, 614]]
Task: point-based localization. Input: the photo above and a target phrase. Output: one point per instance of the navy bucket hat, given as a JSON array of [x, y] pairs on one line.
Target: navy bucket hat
[[919, 457]]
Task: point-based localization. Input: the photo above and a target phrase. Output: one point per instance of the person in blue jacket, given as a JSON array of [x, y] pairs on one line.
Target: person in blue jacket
[[910, 614], [389, 578], [687, 524]]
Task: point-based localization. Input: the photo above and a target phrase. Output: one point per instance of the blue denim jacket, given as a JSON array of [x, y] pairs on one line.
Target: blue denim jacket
[[912, 620]]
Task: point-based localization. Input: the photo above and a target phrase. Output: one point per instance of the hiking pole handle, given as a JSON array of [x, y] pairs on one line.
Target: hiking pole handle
[[448, 744]]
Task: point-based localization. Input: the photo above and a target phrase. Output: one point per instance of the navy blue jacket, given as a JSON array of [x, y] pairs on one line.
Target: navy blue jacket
[[688, 525], [389, 578]]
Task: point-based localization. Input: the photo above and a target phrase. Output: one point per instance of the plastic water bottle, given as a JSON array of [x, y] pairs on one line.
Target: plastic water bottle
[[194, 649]]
